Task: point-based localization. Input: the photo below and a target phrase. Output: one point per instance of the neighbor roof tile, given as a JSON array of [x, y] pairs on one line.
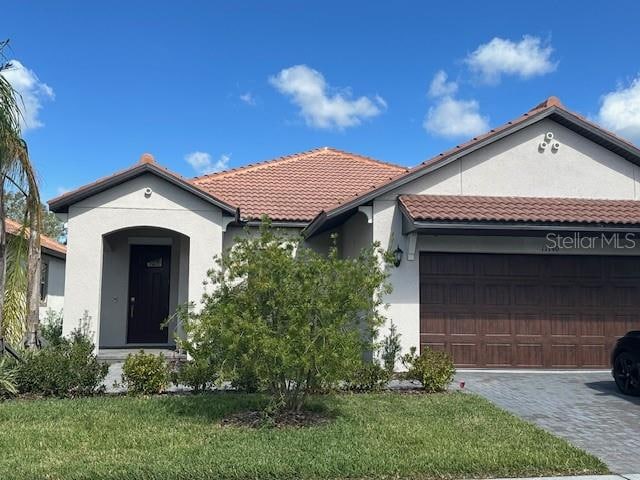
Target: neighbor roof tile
[[13, 228]]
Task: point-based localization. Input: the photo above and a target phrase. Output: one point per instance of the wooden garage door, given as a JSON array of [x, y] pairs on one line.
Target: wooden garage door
[[527, 311]]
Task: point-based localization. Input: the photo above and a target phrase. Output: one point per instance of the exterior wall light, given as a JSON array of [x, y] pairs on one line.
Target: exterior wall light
[[397, 256]]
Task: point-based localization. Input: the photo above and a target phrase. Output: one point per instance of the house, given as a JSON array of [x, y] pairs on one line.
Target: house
[[53, 256], [520, 248]]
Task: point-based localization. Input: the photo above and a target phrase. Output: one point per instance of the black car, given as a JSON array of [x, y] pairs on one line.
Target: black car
[[625, 363]]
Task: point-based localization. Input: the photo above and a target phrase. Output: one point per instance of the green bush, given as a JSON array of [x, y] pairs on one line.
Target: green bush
[[391, 349], [433, 368], [68, 369], [286, 318], [8, 385], [369, 377], [200, 375], [51, 328], [245, 381], [145, 373]]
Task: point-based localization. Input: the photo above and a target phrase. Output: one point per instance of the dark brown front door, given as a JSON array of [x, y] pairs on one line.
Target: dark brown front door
[[149, 276], [527, 311]]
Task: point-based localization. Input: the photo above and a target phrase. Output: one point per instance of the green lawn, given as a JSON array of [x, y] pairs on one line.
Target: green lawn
[[372, 436]]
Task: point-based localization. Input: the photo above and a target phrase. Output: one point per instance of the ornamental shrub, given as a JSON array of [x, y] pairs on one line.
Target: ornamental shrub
[[199, 375], [145, 373], [368, 377], [285, 317], [433, 368], [69, 368]]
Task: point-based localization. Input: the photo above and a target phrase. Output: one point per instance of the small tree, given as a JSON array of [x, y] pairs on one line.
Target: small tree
[[292, 318]]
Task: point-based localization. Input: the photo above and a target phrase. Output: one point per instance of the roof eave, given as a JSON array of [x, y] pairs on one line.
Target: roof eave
[[423, 169], [441, 225], [61, 204]]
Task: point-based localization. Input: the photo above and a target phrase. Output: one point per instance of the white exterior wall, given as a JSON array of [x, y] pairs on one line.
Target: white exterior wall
[[513, 166], [115, 279], [125, 206], [55, 288]]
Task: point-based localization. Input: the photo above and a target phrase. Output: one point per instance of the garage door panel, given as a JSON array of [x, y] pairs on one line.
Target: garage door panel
[[463, 324], [465, 353], [527, 294], [594, 356], [497, 323], [562, 295], [592, 325], [552, 311], [564, 324], [461, 294], [499, 354], [563, 356], [435, 323], [496, 294], [527, 324], [529, 355], [520, 266]]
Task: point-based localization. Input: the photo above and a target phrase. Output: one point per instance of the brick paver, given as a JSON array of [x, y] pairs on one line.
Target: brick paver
[[584, 408]]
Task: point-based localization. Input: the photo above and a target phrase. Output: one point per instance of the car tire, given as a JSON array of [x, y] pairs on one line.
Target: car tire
[[626, 373]]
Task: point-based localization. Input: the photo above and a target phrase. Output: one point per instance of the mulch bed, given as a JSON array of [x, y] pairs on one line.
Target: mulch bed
[[258, 419]]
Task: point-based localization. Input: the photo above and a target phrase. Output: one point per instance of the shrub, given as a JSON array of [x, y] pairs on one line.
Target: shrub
[[290, 318], [200, 375], [145, 373], [391, 349], [245, 381], [51, 328], [433, 368], [368, 377], [67, 369], [8, 385]]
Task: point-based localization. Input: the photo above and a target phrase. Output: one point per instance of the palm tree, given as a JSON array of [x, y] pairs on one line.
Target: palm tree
[[17, 173]]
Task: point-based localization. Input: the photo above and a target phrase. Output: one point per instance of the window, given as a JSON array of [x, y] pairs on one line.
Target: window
[[44, 282]]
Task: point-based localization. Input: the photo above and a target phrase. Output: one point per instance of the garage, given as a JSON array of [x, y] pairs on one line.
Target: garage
[[527, 311]]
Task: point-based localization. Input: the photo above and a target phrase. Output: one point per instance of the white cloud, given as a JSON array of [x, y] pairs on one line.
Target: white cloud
[[32, 91], [62, 190], [528, 58], [248, 98], [440, 87], [620, 110], [318, 105], [451, 117], [203, 162]]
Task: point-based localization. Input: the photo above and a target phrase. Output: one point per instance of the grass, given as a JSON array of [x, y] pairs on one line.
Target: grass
[[372, 436]]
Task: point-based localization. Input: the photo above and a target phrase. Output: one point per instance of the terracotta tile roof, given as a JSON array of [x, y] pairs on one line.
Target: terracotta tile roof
[[297, 187], [13, 228], [520, 209], [543, 108]]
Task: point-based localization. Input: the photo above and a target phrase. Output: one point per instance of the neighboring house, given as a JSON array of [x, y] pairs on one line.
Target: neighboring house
[[509, 253], [52, 270]]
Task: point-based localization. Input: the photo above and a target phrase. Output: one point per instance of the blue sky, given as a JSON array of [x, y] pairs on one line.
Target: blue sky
[[240, 82]]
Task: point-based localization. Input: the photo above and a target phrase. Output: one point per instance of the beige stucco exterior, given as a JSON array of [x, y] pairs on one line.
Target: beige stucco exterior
[[102, 227], [129, 206], [513, 166]]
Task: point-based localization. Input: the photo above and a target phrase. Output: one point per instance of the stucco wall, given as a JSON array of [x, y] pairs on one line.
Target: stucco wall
[[115, 275], [513, 166], [126, 206], [55, 292]]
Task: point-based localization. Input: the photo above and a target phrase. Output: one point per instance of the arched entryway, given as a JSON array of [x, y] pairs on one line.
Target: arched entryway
[[145, 276]]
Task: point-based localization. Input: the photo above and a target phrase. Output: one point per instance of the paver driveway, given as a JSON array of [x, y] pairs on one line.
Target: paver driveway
[[584, 408]]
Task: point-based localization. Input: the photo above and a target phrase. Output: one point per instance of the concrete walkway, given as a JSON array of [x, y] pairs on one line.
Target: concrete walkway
[[583, 407]]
